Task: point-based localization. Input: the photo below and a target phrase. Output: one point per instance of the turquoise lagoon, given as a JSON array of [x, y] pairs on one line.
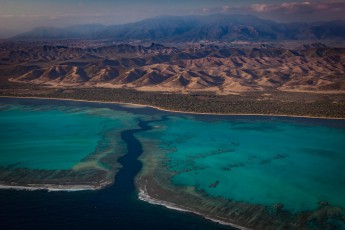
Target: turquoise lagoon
[[295, 164], [234, 168], [52, 138], [60, 145], [264, 162]]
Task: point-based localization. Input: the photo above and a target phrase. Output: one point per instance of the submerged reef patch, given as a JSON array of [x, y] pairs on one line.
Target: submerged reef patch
[[270, 174], [57, 147]]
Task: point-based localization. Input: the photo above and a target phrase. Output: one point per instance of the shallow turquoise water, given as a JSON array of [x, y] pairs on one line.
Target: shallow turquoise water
[[264, 161], [258, 161], [115, 207], [43, 137]]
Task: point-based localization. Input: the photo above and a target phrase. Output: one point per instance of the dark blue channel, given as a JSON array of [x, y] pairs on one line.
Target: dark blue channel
[[115, 207]]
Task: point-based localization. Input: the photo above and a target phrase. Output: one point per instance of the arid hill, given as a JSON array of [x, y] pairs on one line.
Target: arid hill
[[156, 67]]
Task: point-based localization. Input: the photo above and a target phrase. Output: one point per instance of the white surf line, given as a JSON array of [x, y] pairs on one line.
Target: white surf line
[[144, 196], [50, 188]]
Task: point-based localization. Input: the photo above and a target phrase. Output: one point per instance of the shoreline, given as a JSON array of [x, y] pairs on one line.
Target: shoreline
[[52, 188], [142, 192], [176, 111], [144, 196]]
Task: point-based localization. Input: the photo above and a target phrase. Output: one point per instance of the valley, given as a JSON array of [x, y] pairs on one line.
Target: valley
[[223, 70]]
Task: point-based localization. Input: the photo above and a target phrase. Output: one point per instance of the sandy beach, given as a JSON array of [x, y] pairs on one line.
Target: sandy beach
[[52, 187], [133, 105]]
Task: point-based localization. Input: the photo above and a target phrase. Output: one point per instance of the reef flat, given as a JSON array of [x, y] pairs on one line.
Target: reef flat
[[261, 173], [244, 171], [60, 147]]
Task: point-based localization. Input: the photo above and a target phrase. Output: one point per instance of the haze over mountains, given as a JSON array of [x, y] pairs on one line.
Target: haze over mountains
[[189, 63], [7, 33], [195, 28]]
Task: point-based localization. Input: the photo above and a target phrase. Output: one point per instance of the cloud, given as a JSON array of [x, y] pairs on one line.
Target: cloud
[[289, 7], [305, 11], [7, 15], [259, 7], [299, 7], [225, 8]]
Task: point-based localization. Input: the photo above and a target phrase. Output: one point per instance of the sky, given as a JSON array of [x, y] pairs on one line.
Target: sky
[[24, 15]]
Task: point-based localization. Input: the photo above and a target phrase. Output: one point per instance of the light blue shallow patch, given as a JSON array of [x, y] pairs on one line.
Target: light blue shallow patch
[[258, 161], [43, 137]]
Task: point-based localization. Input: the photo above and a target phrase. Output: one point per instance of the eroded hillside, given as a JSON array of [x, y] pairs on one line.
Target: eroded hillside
[[224, 70]]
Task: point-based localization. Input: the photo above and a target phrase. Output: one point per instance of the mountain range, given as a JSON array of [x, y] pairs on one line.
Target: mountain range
[[195, 28], [7, 33], [157, 67]]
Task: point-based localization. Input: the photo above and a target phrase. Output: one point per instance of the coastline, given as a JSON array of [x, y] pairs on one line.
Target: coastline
[[142, 192], [53, 187], [144, 196], [176, 111]]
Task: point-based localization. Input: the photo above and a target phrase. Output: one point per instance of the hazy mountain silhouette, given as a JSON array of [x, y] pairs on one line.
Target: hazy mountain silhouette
[[196, 28]]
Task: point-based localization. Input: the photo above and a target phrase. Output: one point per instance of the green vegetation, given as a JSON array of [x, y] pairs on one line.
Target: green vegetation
[[208, 103], [275, 102]]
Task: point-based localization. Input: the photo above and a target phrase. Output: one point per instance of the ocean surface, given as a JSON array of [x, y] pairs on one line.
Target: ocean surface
[[296, 162], [46, 137], [258, 161]]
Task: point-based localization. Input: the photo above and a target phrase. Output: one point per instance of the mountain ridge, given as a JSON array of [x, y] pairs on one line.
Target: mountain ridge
[[217, 27], [315, 68]]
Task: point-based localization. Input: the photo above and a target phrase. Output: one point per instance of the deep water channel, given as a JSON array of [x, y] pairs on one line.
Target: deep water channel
[[124, 180], [264, 172], [115, 207]]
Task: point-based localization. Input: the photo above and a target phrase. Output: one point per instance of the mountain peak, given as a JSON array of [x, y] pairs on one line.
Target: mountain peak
[[215, 27]]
